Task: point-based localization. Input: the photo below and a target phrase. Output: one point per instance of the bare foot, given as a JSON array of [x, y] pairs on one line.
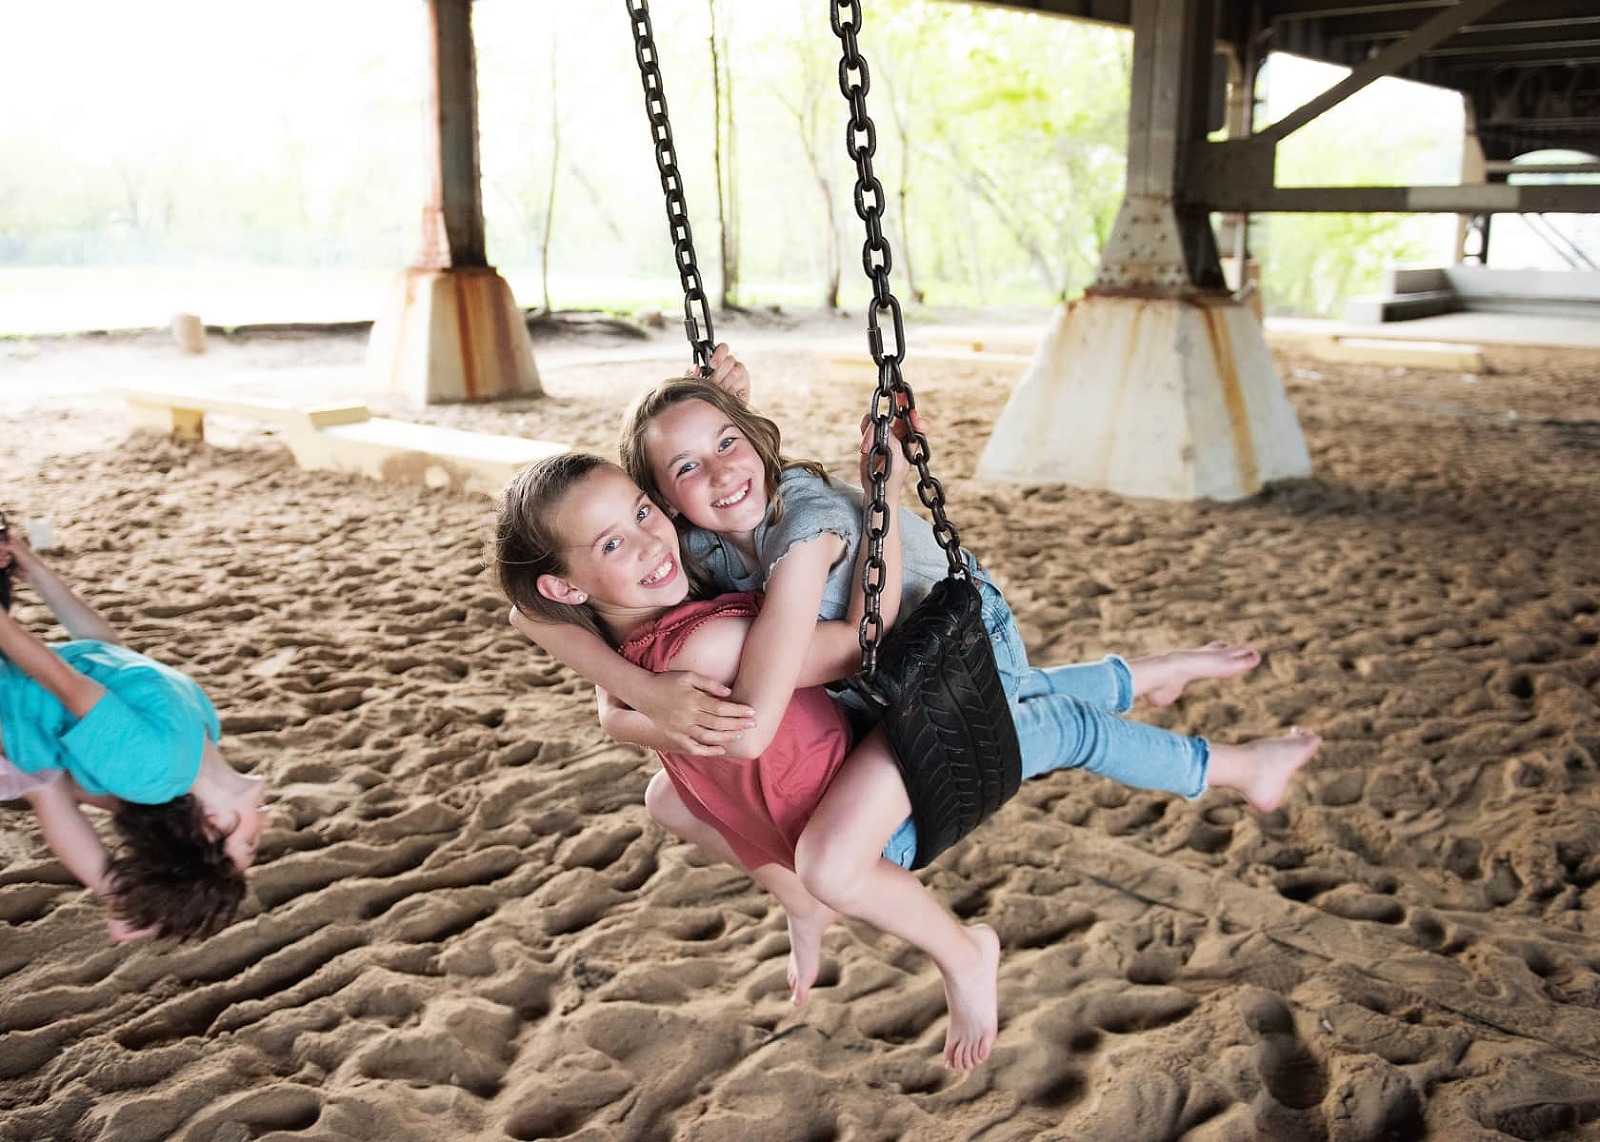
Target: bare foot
[[805, 950], [1260, 770], [1160, 678], [974, 1001]]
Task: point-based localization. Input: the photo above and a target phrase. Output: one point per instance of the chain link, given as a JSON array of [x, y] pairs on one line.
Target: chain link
[[892, 397], [696, 308], [7, 571]]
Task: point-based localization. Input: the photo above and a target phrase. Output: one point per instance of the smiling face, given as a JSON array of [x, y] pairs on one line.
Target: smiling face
[[621, 552], [707, 468]]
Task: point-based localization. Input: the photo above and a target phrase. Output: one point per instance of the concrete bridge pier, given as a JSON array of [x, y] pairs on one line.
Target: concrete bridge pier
[[451, 330], [1157, 382], [1175, 398]]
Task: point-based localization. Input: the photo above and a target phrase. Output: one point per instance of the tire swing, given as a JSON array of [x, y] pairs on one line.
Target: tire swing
[[932, 679]]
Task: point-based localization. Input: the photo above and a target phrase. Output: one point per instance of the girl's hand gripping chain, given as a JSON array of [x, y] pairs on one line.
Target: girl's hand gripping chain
[[727, 372]]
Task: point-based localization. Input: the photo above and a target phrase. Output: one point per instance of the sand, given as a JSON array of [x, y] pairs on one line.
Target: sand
[[464, 926]]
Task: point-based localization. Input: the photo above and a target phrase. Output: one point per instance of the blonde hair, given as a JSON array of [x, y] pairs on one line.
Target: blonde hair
[[762, 433]]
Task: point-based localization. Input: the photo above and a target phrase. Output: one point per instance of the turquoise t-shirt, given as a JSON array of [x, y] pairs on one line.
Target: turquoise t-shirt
[[141, 741]]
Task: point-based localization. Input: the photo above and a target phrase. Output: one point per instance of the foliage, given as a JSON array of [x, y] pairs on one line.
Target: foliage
[[1312, 262], [1000, 145]]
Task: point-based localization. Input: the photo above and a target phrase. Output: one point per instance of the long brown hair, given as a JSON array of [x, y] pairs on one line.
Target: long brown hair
[[526, 544], [762, 433]]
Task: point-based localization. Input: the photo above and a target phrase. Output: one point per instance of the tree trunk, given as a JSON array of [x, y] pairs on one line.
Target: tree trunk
[[555, 162], [834, 265], [722, 141], [902, 130], [730, 243], [1012, 217], [805, 118]]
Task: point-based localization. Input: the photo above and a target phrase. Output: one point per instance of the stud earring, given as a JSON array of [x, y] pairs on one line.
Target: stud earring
[[581, 597]]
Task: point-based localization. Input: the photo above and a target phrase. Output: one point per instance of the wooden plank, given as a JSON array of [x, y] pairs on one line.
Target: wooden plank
[[1399, 353], [196, 402], [346, 437], [436, 457]]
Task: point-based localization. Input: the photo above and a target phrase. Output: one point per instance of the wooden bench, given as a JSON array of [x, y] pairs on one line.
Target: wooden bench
[[1400, 353], [346, 437], [847, 363], [181, 409]]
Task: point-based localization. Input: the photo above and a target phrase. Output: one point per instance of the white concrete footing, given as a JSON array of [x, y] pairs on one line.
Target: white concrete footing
[[1173, 398], [453, 335]]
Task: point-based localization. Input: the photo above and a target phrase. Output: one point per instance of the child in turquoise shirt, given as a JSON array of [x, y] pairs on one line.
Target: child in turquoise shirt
[[92, 722]]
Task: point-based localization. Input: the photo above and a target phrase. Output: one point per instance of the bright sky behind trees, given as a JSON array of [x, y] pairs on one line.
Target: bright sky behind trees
[[190, 133]]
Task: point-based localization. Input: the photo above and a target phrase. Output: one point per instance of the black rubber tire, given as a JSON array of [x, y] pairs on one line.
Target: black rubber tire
[[946, 716]]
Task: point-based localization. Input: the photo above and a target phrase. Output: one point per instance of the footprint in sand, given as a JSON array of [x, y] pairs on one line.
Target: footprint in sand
[[283, 1106], [1340, 789], [673, 1057], [1542, 1118], [598, 848], [465, 1043], [1148, 1105], [1359, 1029], [1289, 1071], [1140, 1009], [1025, 922], [904, 1016], [1306, 884], [1136, 816], [24, 903], [1349, 902], [574, 900], [1373, 1099], [1205, 837]]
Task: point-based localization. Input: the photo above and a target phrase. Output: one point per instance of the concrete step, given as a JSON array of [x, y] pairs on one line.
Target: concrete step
[[1376, 309]]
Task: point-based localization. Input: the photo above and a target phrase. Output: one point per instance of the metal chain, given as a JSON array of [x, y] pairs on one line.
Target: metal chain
[[696, 309], [5, 572], [893, 397]]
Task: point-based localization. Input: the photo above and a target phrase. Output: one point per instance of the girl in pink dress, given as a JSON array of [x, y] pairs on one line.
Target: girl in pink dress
[[578, 542]]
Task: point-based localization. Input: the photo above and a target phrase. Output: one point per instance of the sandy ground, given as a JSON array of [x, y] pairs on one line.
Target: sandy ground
[[463, 925]]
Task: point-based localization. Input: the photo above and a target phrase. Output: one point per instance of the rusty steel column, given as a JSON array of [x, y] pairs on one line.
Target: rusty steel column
[[452, 219], [1158, 382], [1156, 242], [451, 330]]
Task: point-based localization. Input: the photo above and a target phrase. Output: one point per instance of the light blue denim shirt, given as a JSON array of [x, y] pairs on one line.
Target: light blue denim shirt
[[812, 506]]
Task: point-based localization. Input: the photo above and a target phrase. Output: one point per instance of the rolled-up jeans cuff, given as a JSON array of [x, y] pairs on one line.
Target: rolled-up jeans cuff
[[901, 848], [1202, 764], [1124, 676]]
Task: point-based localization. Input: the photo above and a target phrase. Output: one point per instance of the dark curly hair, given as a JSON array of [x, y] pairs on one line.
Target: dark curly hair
[[172, 874]]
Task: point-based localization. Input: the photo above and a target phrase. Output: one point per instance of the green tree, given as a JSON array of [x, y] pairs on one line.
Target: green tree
[[1311, 263]]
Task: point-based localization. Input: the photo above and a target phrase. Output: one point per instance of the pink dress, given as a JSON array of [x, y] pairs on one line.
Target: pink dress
[[759, 805]]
